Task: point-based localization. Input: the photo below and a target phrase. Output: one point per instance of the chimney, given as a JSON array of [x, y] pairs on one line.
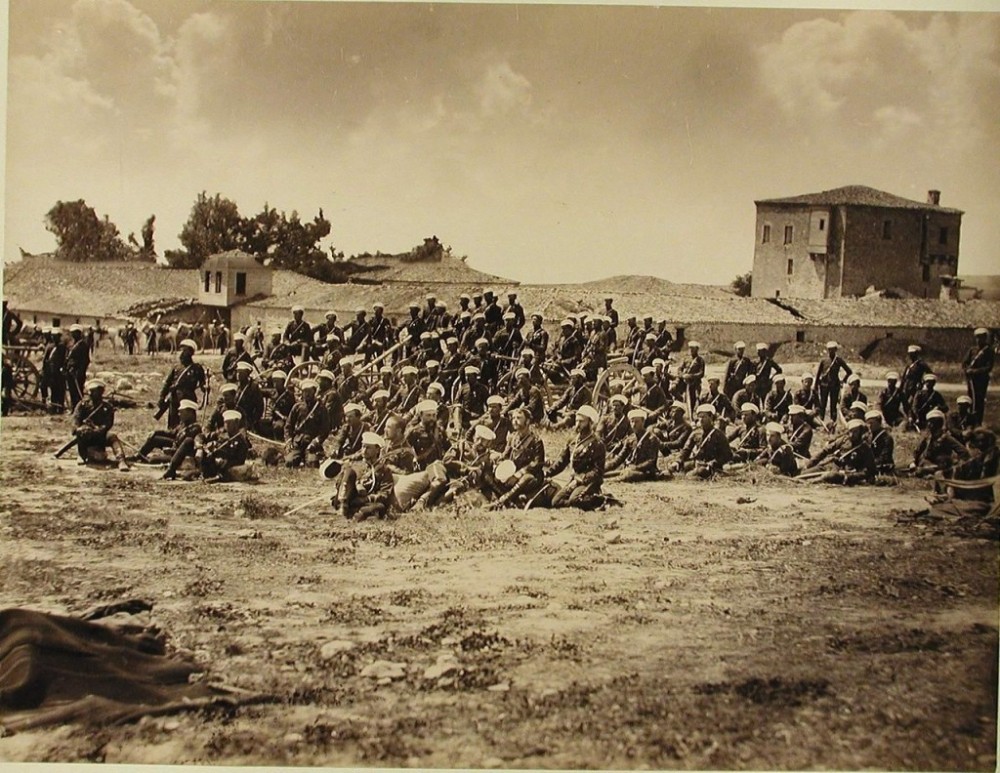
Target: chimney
[[934, 198]]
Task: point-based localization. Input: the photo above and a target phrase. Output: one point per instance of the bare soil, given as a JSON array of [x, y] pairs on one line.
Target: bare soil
[[811, 627]]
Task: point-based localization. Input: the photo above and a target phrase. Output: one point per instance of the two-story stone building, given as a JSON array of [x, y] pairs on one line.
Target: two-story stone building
[[840, 243]]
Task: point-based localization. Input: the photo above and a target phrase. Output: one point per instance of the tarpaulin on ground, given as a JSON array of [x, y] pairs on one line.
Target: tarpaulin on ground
[[56, 669]]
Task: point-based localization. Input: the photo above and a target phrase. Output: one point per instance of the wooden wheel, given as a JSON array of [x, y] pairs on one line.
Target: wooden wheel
[[25, 377], [621, 370], [304, 370]]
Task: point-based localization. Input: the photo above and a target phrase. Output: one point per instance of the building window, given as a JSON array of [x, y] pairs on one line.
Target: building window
[[766, 234], [926, 272], [886, 229], [241, 283], [822, 224], [56, 322], [208, 281], [943, 235], [789, 269], [218, 281], [788, 234], [800, 336]]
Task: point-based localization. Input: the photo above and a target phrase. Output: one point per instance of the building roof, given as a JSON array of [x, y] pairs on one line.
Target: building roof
[[394, 268], [231, 259], [858, 196], [889, 312]]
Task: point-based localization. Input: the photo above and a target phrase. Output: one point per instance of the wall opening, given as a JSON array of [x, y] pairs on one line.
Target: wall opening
[[800, 336], [789, 232], [241, 283], [886, 229], [218, 281]]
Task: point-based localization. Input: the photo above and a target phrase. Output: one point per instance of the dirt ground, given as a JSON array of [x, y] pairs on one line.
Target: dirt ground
[[809, 627]]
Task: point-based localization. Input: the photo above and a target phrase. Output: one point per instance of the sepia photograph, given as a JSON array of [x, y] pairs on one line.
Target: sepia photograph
[[500, 386]]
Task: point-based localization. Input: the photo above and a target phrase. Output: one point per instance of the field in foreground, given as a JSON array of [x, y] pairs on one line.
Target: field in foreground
[[810, 627]]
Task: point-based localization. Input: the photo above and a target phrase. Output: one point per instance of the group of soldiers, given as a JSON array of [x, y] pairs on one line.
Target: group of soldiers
[[459, 400]]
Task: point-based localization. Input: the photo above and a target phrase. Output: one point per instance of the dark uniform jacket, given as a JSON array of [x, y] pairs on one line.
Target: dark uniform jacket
[[849, 398], [926, 401], [230, 361], [532, 400], [78, 357], [800, 438], [637, 452], [780, 459], [586, 457], [745, 395], [429, 445], [848, 457], [722, 404], [231, 451], [400, 458], [527, 453], [250, 402], [978, 362], [747, 442], [942, 450], [709, 448], [538, 342], [765, 371], [675, 434], [806, 398], [347, 441], [182, 381], [890, 402], [297, 333], [828, 372], [306, 424], [776, 405], [472, 398], [737, 369], [912, 376], [101, 416], [376, 483], [883, 447], [613, 430]]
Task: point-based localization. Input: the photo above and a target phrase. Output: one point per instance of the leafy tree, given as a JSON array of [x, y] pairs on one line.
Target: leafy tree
[[83, 236], [741, 284], [148, 249], [215, 225]]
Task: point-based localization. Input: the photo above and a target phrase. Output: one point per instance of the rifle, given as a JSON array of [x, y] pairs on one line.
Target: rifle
[[70, 443]]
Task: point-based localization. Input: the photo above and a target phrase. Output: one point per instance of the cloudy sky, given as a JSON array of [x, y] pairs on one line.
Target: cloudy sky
[[547, 143]]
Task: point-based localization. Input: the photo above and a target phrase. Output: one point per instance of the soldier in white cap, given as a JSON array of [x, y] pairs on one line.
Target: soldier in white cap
[[852, 394], [527, 395], [472, 395], [800, 430], [654, 399], [77, 362], [278, 404], [637, 457], [226, 402], [567, 347], [913, 374], [585, 456], [307, 428], [806, 395], [706, 449], [747, 437], [525, 452], [562, 413], [428, 440], [778, 455], [537, 339], [249, 398], [237, 354], [747, 393], [222, 453], [329, 395], [890, 400], [470, 464], [882, 442], [938, 450], [408, 394], [978, 364], [346, 442], [778, 400], [765, 370], [675, 431], [926, 399], [298, 334], [962, 421], [830, 374], [368, 492], [183, 382], [180, 443], [614, 425], [851, 456], [691, 372], [93, 420]]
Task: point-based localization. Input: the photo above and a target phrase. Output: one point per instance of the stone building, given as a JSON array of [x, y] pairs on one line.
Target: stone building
[[843, 242]]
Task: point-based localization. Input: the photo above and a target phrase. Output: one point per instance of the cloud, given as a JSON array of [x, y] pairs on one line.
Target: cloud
[[501, 90]]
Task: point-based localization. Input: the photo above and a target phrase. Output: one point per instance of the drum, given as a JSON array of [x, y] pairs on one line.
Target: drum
[[505, 471]]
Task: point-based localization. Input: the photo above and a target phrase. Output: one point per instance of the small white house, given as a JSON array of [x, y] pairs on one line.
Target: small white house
[[230, 278]]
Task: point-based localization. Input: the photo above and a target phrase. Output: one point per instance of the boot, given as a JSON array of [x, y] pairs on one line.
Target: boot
[[431, 496]]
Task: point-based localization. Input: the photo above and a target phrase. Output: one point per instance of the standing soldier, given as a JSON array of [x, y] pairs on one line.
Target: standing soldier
[[298, 334], [54, 371], [181, 383], [93, 419], [765, 370], [360, 336], [77, 362], [890, 400], [613, 320], [379, 332], [737, 369], [692, 371], [516, 309], [537, 339], [977, 366], [913, 375], [150, 331], [830, 374]]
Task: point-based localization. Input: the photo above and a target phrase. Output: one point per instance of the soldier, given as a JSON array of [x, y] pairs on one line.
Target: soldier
[[151, 343], [472, 396], [777, 454], [765, 370], [515, 308], [346, 383], [329, 395], [778, 400], [890, 400], [53, 371], [631, 337], [306, 429], [664, 341], [367, 493], [691, 373], [360, 335], [223, 452], [408, 394], [12, 325], [179, 443], [496, 419], [226, 402], [737, 369], [130, 338], [612, 316], [235, 355], [800, 432], [883, 445], [182, 383], [77, 362], [674, 433], [566, 349], [525, 450], [805, 395], [527, 395], [747, 437], [706, 449], [322, 331], [913, 375], [614, 425], [927, 399], [938, 450], [851, 396], [278, 406], [249, 398], [398, 453], [93, 419], [347, 441], [852, 455], [492, 311], [585, 455], [961, 421], [379, 332], [830, 374], [428, 441], [636, 459], [563, 412], [978, 365], [748, 394], [298, 334]]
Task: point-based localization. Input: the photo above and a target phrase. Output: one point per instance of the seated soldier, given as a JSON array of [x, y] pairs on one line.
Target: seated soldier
[[748, 392], [778, 400], [852, 394], [427, 438], [93, 419], [222, 455], [807, 395], [747, 438], [778, 455], [925, 400], [675, 432], [962, 420], [307, 428], [614, 427], [850, 454], [562, 414], [717, 399], [891, 400], [226, 402], [496, 420], [329, 395], [883, 445], [398, 454], [179, 442], [938, 450], [366, 492], [527, 395], [706, 449], [348, 440], [637, 457], [526, 452], [800, 430], [654, 399], [470, 464], [585, 456], [249, 398], [378, 417], [279, 401]]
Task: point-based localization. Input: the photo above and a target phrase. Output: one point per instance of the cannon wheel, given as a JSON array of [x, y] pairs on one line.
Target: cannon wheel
[[25, 376], [303, 370], [615, 370]]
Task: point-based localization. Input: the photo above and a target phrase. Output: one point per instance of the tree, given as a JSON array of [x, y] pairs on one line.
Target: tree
[[83, 236], [741, 284], [214, 226], [148, 249]]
